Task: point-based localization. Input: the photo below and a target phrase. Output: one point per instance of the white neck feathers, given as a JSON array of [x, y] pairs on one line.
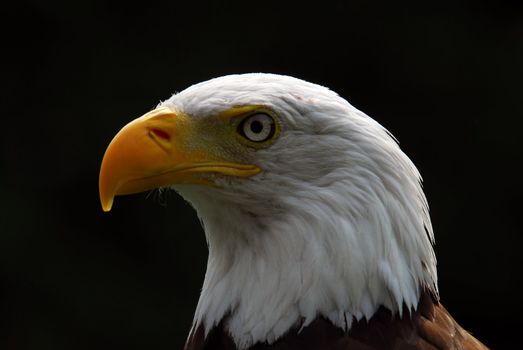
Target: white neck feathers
[[338, 250]]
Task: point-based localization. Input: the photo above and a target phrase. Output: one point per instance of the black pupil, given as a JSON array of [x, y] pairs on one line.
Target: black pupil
[[256, 126]]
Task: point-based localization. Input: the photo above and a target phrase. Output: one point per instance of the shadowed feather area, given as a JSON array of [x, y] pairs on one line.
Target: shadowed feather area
[[429, 327]]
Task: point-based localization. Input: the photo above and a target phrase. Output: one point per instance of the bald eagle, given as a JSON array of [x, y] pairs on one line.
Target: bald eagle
[[318, 230]]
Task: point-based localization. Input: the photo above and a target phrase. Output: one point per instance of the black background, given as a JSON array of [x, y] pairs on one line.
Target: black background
[[445, 78]]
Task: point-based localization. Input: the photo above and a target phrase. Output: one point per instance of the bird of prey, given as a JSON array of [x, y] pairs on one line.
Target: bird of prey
[[318, 230]]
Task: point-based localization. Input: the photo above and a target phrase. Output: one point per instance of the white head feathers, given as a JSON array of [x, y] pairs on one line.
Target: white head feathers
[[335, 225]]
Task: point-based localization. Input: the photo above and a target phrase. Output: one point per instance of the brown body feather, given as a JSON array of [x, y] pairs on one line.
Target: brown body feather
[[429, 327]]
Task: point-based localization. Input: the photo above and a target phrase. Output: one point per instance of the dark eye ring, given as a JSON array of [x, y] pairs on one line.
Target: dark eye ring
[[257, 127]]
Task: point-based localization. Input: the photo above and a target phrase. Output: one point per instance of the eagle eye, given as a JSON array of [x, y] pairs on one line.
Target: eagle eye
[[257, 127]]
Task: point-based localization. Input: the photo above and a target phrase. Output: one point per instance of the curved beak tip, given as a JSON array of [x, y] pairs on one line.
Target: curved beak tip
[[106, 200], [106, 206]]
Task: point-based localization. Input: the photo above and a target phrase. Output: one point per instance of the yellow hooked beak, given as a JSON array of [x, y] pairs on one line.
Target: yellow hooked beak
[[154, 151]]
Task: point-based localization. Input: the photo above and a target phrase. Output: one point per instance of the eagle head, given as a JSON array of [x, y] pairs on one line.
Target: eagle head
[[309, 206]]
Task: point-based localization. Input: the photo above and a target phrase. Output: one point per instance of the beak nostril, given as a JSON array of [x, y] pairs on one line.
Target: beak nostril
[[161, 134]]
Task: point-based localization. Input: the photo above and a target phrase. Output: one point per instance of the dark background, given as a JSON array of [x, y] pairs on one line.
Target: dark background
[[445, 78]]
